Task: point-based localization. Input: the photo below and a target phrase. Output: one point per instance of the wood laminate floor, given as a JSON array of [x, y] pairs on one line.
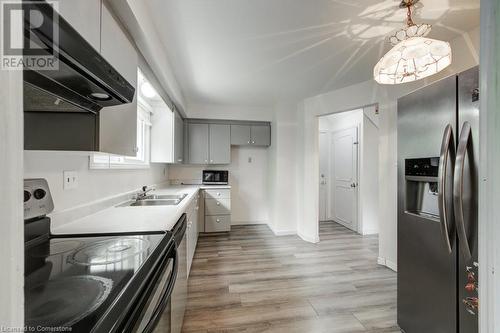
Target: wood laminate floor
[[252, 281]]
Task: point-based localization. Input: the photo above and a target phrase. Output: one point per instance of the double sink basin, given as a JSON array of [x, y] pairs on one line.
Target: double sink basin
[[156, 200]]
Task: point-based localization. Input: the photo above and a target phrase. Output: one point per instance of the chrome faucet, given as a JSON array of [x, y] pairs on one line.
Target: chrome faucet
[[143, 193]]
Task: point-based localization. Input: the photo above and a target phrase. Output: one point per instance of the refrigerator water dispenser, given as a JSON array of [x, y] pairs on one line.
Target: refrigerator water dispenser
[[421, 175]]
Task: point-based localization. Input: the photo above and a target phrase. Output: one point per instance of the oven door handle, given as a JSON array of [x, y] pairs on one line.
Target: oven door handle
[[165, 297]]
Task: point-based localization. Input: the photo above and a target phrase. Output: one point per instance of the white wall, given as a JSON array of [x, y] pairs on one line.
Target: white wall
[[367, 93], [282, 186], [489, 186], [11, 205], [230, 112], [248, 180], [93, 184]]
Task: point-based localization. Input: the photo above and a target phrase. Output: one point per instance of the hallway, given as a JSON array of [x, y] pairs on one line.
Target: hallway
[[252, 281]]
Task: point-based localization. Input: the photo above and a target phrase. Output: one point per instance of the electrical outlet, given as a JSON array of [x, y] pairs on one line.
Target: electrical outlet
[[70, 180]]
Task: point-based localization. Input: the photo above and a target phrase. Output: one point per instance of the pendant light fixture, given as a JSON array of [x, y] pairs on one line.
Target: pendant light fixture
[[413, 56]]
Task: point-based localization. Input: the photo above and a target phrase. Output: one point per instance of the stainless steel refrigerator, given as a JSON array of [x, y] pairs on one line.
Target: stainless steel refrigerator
[[438, 148]]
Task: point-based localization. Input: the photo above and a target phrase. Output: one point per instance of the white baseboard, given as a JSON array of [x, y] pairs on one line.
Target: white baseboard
[[387, 263], [370, 232], [282, 232], [307, 238], [247, 222]]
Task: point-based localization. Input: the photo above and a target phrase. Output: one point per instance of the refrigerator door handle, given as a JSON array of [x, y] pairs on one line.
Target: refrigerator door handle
[[447, 156], [458, 188]]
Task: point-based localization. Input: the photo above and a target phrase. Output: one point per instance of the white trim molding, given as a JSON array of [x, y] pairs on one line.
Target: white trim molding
[[309, 238], [282, 232], [489, 185], [11, 202], [387, 263]]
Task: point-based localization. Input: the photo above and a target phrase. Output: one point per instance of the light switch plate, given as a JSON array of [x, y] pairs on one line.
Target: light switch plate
[[70, 180]]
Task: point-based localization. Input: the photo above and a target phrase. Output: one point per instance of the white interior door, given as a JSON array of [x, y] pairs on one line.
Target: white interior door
[[344, 163], [324, 153]]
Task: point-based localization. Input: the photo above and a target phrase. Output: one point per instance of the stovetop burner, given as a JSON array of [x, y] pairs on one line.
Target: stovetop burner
[[50, 305], [109, 251]]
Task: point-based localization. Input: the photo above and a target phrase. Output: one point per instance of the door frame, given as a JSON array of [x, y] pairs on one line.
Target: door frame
[[359, 126], [357, 211], [328, 195], [489, 185]]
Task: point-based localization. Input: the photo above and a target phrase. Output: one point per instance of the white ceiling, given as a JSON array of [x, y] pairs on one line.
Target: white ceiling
[[259, 52]]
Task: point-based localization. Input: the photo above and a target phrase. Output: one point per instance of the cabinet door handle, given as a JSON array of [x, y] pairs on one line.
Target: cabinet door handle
[[211, 161], [218, 193], [218, 221], [253, 142], [218, 203], [248, 142]]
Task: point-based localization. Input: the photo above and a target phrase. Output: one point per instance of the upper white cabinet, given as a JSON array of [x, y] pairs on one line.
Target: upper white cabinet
[[118, 124], [162, 135], [85, 17], [251, 135]]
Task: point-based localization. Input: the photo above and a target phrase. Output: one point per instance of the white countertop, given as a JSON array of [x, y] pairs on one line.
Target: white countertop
[[135, 219]]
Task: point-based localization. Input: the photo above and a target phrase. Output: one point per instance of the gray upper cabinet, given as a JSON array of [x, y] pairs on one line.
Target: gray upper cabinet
[[209, 143], [198, 143], [261, 135], [85, 17], [220, 144], [178, 139], [251, 135], [240, 135]]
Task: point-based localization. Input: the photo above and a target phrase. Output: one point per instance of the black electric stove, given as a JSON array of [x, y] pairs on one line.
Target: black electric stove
[[90, 284]]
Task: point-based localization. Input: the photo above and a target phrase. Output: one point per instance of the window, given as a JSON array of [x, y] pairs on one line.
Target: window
[[142, 158]]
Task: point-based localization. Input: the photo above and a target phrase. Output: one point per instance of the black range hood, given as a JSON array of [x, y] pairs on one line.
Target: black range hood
[[82, 78]]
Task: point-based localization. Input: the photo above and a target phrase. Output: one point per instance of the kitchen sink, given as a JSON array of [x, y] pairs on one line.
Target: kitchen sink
[[179, 197], [169, 202], [155, 200]]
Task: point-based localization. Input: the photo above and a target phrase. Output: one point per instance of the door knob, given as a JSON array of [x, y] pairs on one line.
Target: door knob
[[353, 185]]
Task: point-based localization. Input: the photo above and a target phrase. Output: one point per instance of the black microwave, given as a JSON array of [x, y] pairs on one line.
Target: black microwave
[[215, 177]]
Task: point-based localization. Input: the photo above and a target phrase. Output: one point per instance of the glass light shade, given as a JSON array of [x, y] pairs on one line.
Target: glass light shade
[[413, 59]]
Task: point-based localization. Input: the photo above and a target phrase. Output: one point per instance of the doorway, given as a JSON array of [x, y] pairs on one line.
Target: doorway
[[348, 169]]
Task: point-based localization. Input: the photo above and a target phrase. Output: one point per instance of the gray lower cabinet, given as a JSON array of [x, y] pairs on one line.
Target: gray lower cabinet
[[209, 143], [220, 144], [198, 143], [217, 210]]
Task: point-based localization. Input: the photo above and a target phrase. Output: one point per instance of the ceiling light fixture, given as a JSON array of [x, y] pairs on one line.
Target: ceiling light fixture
[[413, 57]]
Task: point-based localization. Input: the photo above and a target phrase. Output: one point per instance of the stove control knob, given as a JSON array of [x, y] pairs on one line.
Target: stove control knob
[[39, 194], [27, 196]]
